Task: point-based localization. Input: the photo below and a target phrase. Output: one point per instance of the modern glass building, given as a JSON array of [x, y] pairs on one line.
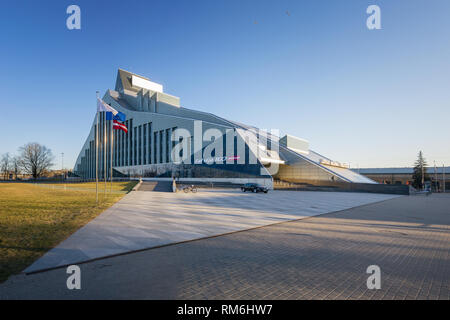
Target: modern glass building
[[165, 140]]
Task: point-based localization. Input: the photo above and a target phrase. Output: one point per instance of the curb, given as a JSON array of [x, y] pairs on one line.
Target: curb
[[136, 187]]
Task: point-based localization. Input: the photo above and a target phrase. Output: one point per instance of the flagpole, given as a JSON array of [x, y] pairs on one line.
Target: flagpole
[[104, 152], [96, 155], [112, 150]]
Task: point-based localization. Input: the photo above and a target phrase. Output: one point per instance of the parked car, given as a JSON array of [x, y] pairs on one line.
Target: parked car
[[253, 187]]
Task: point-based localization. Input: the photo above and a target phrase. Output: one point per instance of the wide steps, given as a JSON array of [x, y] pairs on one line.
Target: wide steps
[[156, 186]]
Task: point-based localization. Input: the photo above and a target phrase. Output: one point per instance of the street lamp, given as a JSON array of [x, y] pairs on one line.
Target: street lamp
[[62, 165], [443, 178]]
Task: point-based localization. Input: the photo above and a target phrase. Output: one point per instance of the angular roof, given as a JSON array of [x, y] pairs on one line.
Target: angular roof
[[123, 81]]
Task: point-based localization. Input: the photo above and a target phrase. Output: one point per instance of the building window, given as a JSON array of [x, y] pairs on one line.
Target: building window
[[144, 140], [140, 146], [134, 161], [155, 144], [130, 144], [149, 142], [181, 147], [172, 136], [168, 145], [161, 136]]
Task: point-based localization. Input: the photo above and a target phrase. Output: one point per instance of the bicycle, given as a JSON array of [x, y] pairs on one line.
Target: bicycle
[[190, 188]]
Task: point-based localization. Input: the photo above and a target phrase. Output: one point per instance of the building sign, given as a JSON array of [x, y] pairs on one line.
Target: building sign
[[216, 159]]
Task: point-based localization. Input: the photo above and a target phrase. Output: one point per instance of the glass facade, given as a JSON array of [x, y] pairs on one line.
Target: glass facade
[[144, 141], [143, 146], [168, 145], [149, 143], [303, 171], [155, 145], [152, 150], [134, 153], [139, 162], [161, 136]]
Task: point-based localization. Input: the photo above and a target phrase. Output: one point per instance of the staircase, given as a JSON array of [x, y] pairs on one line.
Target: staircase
[[157, 186]]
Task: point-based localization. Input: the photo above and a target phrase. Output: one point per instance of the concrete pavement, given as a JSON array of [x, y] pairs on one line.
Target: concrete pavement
[[149, 219], [321, 257]]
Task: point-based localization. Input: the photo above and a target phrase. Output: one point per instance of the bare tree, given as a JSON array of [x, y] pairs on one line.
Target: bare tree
[[15, 166], [35, 159], [5, 165]]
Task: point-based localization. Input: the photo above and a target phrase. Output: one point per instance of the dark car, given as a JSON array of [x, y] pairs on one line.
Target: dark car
[[253, 187]]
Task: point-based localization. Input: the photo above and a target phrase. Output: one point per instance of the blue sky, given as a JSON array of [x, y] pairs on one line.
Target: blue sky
[[309, 68]]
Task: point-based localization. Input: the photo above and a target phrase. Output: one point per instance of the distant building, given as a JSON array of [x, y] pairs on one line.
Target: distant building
[[162, 142], [404, 175]]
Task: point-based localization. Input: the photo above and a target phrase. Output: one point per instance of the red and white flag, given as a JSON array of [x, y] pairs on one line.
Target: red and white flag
[[119, 126]]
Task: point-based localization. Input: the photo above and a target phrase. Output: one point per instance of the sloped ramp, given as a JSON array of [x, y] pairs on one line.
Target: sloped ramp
[[157, 186]]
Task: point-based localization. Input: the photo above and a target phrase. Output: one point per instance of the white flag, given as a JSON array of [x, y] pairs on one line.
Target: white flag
[[103, 106]]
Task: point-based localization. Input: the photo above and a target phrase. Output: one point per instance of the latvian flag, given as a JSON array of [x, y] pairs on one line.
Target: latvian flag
[[119, 126]]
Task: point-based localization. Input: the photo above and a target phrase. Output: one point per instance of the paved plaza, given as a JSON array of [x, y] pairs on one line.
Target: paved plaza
[[144, 220], [321, 257]]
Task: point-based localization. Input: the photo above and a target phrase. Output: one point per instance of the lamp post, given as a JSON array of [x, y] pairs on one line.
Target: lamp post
[[435, 177], [96, 154], [62, 165], [443, 178]]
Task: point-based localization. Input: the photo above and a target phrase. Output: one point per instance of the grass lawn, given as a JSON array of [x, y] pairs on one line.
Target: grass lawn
[[36, 217]]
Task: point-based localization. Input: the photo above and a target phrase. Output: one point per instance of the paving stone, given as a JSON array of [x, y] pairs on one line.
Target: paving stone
[[322, 257]]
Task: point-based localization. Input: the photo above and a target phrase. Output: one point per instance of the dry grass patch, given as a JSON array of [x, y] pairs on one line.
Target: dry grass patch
[[35, 218]]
